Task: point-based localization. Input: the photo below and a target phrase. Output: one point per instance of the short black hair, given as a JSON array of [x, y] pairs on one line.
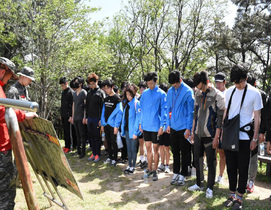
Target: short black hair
[[124, 84], [251, 80], [164, 87], [200, 77], [142, 84], [189, 82], [116, 88], [238, 72], [80, 79], [151, 76], [63, 80], [174, 77], [100, 83], [72, 83], [108, 82]]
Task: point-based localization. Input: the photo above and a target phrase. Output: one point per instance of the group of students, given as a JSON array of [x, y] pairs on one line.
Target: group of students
[[177, 117]]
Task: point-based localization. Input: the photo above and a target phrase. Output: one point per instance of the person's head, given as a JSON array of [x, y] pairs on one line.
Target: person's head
[[201, 80], [92, 80], [124, 85], [78, 82], [151, 79], [63, 83], [239, 76], [175, 79], [142, 86], [7, 69], [108, 86], [164, 87], [116, 89], [251, 80], [134, 87], [26, 76], [220, 81], [129, 93]]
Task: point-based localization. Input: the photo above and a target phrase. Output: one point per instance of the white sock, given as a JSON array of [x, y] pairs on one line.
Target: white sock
[[142, 158]]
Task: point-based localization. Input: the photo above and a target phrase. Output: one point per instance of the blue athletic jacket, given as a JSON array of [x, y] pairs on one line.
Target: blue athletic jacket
[[134, 118], [114, 119], [153, 103], [180, 103]]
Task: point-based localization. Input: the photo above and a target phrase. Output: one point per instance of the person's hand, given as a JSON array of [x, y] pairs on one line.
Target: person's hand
[[85, 121], [102, 128], [160, 132], [134, 137], [71, 120], [215, 142], [30, 115], [168, 129], [140, 128], [261, 138], [253, 145], [187, 134], [116, 130], [268, 147], [192, 138], [99, 123]]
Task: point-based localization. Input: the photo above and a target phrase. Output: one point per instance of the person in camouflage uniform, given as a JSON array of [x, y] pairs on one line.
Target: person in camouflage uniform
[[18, 90], [7, 170]]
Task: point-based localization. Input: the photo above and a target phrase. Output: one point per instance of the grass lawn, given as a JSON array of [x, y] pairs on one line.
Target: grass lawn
[[106, 187]]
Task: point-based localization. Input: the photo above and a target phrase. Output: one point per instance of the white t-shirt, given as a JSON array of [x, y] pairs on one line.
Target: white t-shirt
[[252, 102]]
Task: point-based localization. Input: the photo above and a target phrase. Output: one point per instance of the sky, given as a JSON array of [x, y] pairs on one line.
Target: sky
[[110, 7]]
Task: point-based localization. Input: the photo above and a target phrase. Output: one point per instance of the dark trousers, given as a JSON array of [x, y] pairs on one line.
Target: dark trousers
[[237, 164], [81, 134], [179, 144], [67, 134], [7, 181], [202, 144], [111, 139], [73, 136], [93, 135]]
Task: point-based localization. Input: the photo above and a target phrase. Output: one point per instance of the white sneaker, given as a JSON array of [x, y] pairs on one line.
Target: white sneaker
[[209, 193], [107, 161], [195, 187], [174, 179], [219, 180], [167, 170], [180, 181], [161, 168], [193, 172]]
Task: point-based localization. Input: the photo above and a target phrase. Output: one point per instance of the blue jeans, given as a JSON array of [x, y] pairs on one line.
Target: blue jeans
[[131, 149]]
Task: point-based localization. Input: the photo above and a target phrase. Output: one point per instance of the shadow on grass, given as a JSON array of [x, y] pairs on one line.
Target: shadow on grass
[[132, 191]]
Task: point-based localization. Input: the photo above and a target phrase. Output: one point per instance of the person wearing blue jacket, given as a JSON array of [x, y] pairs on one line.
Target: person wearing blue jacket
[[180, 110], [110, 120], [152, 103], [130, 126]]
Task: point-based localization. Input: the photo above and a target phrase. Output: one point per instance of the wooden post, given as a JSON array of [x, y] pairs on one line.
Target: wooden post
[[20, 157]]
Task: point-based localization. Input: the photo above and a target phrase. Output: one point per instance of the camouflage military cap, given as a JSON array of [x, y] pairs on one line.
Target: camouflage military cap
[[8, 65], [27, 72]]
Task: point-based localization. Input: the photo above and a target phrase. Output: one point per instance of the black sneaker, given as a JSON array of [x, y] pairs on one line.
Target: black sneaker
[[114, 163], [229, 201], [131, 170], [82, 155], [139, 164], [127, 170], [237, 204], [144, 165], [154, 175], [149, 173]]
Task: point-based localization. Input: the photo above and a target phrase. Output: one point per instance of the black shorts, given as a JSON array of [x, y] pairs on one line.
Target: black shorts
[[151, 136], [141, 136], [164, 140]]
